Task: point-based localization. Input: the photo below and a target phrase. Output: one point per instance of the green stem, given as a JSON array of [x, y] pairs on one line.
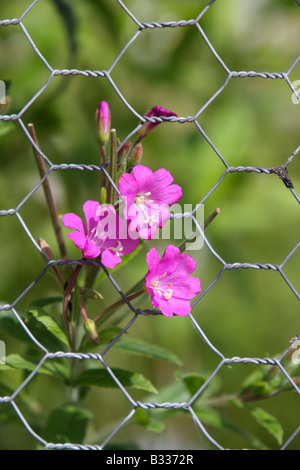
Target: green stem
[[132, 296], [113, 166], [48, 195], [66, 300], [207, 222], [102, 163]]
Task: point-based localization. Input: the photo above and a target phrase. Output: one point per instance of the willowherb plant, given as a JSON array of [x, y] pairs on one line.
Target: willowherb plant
[[133, 207]]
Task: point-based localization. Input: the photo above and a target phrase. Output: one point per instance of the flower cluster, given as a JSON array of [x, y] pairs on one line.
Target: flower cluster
[[107, 234], [147, 196]]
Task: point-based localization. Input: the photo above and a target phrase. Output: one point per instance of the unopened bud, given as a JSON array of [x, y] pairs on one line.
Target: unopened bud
[[103, 196], [90, 328], [156, 111], [46, 248], [137, 154], [124, 150], [103, 122]]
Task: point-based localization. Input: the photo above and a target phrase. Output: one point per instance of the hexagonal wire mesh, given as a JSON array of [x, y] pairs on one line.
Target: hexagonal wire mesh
[[281, 171]]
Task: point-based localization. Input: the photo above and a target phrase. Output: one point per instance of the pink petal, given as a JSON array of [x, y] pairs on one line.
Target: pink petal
[[179, 306], [144, 178], [163, 178], [169, 195], [127, 185], [79, 239], [165, 307], [91, 250], [73, 221], [163, 214], [110, 259], [104, 112], [183, 287], [186, 264], [128, 204], [169, 260], [130, 243], [153, 259], [146, 232], [90, 211]]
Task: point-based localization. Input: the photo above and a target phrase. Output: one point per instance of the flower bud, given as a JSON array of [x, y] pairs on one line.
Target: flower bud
[[103, 196], [46, 248], [103, 122], [137, 154], [90, 328], [147, 127], [124, 150]]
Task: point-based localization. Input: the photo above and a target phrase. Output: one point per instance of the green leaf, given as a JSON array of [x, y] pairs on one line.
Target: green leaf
[[269, 422], [212, 418], [15, 361], [147, 420], [145, 349], [255, 385], [101, 378], [10, 324], [6, 129], [44, 302], [192, 381], [108, 334], [46, 329], [67, 424]]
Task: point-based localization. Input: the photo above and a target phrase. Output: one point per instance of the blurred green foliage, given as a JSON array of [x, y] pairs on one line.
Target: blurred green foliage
[[252, 122]]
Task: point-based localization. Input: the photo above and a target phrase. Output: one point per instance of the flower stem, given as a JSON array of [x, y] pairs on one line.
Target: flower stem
[[120, 302], [113, 166], [48, 194], [66, 300], [207, 222], [102, 163]]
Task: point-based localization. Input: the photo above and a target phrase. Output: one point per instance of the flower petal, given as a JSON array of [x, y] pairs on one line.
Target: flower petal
[[90, 209], [91, 250], [163, 178], [165, 307], [179, 306], [144, 177], [169, 261], [184, 287], [73, 221], [186, 264], [79, 239], [110, 259], [153, 259], [127, 185]]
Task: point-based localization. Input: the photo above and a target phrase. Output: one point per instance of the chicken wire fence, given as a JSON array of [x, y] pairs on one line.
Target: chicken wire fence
[[283, 178]]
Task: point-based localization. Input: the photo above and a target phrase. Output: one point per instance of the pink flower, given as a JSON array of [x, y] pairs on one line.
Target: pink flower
[[168, 283], [103, 122], [107, 234], [147, 196], [156, 111]]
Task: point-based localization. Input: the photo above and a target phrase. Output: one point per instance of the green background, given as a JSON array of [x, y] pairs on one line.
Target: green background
[[253, 122]]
